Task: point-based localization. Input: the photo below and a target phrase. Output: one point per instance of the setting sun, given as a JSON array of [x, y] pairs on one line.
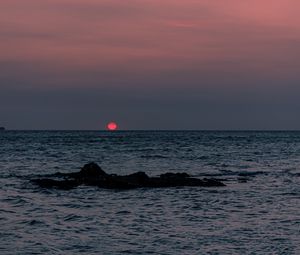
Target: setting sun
[[112, 126]]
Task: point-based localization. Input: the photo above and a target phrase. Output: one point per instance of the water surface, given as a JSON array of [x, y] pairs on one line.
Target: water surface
[[256, 213]]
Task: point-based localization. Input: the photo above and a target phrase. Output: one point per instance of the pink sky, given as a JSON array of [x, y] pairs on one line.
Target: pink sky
[[252, 37], [207, 64]]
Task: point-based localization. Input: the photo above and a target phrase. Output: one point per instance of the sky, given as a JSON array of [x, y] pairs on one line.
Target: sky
[[150, 64]]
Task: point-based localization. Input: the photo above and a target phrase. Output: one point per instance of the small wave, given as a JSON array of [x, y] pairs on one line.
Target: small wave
[[294, 174], [153, 156], [35, 222], [203, 157], [228, 173], [72, 217], [222, 173], [7, 211], [12, 175], [254, 173], [111, 136], [123, 212]]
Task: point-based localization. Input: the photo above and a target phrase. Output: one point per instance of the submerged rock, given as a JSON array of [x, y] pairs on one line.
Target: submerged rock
[[50, 183], [92, 175]]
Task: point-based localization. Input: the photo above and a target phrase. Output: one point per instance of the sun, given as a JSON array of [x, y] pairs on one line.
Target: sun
[[112, 126]]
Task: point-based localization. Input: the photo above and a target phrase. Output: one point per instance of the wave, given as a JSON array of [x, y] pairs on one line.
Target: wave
[[234, 173], [153, 156]]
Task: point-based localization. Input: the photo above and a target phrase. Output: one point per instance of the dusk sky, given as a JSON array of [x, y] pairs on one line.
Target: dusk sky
[[149, 64]]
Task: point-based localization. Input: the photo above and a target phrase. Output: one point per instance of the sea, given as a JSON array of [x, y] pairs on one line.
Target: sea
[[257, 212]]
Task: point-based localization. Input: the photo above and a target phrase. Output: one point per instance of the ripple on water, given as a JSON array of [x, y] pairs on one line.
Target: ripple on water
[[259, 216]]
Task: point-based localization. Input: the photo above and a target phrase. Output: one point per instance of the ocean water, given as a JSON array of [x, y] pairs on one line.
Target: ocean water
[[258, 212]]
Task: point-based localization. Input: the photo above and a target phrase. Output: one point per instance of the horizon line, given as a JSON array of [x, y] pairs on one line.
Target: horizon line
[[157, 130]]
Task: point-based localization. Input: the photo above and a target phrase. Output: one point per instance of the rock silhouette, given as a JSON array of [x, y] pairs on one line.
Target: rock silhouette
[[92, 175]]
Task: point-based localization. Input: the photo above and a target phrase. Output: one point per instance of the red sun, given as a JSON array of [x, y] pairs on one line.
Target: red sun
[[112, 126]]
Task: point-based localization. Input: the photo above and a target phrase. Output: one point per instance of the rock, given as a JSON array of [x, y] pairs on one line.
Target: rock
[[92, 170], [140, 178], [174, 175], [92, 175]]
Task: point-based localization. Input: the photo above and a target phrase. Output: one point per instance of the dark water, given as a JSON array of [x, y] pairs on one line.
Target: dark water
[[258, 212]]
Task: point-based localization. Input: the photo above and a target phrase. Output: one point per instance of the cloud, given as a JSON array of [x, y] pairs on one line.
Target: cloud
[[150, 36], [202, 50]]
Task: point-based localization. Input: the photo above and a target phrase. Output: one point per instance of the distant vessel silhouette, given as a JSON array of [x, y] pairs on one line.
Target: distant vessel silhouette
[[2, 128]]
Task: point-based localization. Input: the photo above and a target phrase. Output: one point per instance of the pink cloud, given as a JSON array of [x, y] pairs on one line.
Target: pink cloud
[[151, 36]]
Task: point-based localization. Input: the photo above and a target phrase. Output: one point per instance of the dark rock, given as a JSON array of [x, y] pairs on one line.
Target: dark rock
[[118, 182], [140, 178], [92, 170], [92, 175], [174, 175], [212, 183]]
